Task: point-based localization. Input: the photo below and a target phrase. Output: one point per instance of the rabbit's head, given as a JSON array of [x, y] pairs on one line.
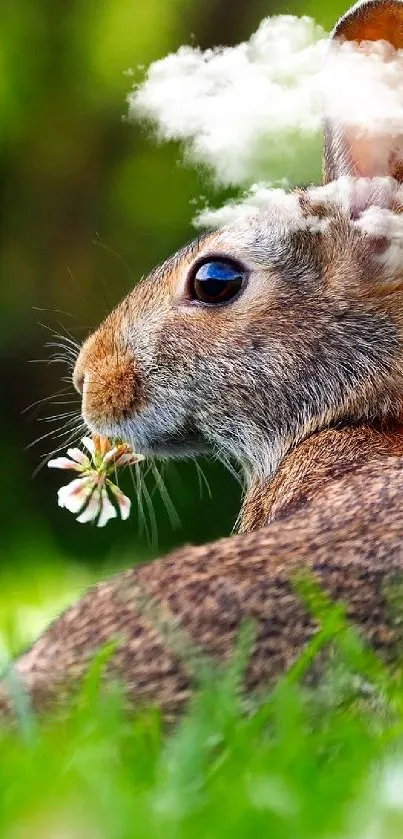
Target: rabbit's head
[[255, 335]]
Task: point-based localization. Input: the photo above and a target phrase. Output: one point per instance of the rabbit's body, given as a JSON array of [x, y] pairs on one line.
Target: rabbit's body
[[346, 528], [316, 465], [277, 341]]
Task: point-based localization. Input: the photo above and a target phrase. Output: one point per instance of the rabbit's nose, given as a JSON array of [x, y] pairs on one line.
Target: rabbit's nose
[[107, 378], [87, 357], [78, 381], [79, 372], [91, 351]]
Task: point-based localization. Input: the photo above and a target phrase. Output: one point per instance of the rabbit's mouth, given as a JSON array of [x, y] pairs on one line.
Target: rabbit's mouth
[[114, 405], [181, 444], [148, 436]]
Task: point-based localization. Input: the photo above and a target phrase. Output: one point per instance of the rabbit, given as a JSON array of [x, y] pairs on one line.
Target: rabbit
[[276, 341]]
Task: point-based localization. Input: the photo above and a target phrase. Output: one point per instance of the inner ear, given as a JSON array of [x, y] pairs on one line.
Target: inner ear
[[374, 20], [353, 149]]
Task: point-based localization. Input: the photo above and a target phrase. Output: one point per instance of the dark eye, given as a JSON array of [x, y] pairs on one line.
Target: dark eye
[[216, 282]]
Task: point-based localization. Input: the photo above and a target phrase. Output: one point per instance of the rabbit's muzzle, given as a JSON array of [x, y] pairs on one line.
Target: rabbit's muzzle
[[107, 377]]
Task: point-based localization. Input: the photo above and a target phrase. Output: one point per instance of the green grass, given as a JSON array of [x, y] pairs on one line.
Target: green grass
[[299, 762]]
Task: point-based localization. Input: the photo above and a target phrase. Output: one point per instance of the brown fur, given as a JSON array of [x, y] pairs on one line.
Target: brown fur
[[323, 458], [301, 379], [349, 537], [376, 21], [113, 385]]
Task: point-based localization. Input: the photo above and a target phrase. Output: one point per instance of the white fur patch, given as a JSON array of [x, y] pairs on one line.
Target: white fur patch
[[380, 222], [367, 200], [284, 207]]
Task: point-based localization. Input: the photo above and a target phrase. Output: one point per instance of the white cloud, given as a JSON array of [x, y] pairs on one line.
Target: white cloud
[[253, 113], [363, 88], [260, 196], [241, 110]]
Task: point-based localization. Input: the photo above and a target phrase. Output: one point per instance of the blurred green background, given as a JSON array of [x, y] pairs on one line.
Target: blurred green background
[[89, 204]]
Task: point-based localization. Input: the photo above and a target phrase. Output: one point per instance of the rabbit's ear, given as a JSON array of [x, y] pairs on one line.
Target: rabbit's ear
[[358, 150]]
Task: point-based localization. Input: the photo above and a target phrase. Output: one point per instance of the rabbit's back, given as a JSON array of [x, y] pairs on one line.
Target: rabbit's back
[[351, 540]]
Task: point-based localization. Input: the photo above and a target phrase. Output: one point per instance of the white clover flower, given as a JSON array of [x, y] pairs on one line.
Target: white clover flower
[[91, 495]]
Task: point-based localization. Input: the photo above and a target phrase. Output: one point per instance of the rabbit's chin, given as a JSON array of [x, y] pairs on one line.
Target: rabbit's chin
[[179, 449], [181, 444]]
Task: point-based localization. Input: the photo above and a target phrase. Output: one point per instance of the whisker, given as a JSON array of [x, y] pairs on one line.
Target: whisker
[[68, 424], [202, 480], [222, 458], [141, 515], [74, 439], [57, 334], [97, 242], [137, 479], [63, 340], [168, 504], [72, 401], [152, 534], [62, 355], [69, 351], [69, 335], [61, 352], [60, 359], [61, 392], [55, 417], [56, 433], [49, 360], [55, 312]]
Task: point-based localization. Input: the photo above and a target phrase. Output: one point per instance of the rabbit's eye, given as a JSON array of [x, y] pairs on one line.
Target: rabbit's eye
[[216, 282]]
